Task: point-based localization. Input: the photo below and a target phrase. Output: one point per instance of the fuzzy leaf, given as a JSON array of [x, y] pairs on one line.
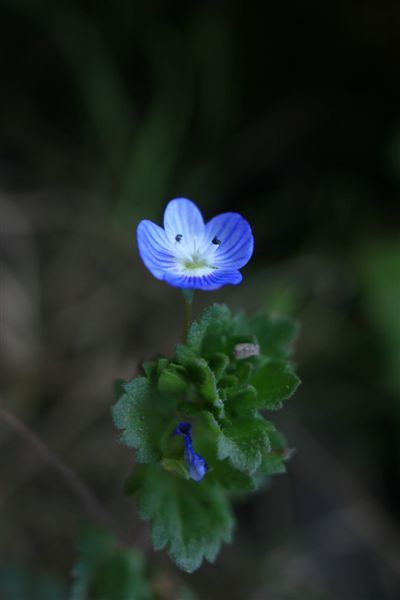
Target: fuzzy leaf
[[172, 379], [274, 334], [201, 376], [189, 519], [143, 414], [209, 332], [106, 571], [232, 479], [243, 442], [242, 402], [274, 382]]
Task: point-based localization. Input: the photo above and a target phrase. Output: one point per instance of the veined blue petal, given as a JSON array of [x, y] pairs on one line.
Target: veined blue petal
[[154, 248], [235, 239], [210, 282], [190, 254], [183, 218]]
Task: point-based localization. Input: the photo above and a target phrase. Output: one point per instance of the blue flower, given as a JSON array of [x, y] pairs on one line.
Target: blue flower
[[197, 466], [189, 253]]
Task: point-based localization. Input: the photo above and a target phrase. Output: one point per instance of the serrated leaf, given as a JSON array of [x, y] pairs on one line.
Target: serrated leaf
[[209, 331], [274, 334], [107, 572], [189, 519], [243, 401], [244, 442], [274, 381], [273, 463], [144, 414], [232, 479]]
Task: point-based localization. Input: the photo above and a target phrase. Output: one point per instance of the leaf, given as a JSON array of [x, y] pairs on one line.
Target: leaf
[[172, 379], [273, 461], [189, 519], [243, 401], [144, 414], [274, 334], [107, 572], [232, 479], [274, 382], [203, 378], [218, 364], [209, 332], [244, 442]]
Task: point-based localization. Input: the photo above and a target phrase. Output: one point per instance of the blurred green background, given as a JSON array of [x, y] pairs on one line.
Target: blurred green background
[[289, 115]]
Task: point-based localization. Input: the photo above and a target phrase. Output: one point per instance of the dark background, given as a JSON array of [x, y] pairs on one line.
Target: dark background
[[290, 116]]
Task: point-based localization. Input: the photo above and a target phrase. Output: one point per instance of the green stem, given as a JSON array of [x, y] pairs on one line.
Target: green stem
[[188, 299]]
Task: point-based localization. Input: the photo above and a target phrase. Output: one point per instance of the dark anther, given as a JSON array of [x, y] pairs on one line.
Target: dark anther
[[216, 241], [178, 237]]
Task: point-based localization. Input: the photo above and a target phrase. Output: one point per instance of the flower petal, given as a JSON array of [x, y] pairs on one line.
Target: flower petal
[[182, 217], [213, 281], [235, 237], [154, 248]]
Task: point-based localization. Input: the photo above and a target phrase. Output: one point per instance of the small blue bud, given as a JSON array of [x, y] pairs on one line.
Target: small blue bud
[[197, 466]]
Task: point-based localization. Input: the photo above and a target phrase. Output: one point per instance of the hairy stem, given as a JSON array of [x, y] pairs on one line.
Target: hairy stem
[[188, 299]]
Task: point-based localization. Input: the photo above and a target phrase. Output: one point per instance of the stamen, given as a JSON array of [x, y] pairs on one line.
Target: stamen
[[178, 237], [216, 241]]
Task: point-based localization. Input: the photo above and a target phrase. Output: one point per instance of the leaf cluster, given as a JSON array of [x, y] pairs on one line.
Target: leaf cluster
[[231, 370]]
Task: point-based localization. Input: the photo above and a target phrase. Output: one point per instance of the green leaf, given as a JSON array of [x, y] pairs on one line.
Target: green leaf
[[274, 334], [189, 519], [209, 332], [218, 364], [243, 401], [273, 463], [200, 374], [107, 572], [243, 442], [175, 465], [144, 414], [149, 368], [274, 382], [232, 479], [162, 364], [172, 379]]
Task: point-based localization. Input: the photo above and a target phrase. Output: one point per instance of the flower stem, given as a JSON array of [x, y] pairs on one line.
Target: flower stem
[[188, 299]]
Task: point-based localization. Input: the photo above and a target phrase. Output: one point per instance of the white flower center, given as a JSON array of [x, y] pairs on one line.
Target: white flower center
[[194, 257]]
